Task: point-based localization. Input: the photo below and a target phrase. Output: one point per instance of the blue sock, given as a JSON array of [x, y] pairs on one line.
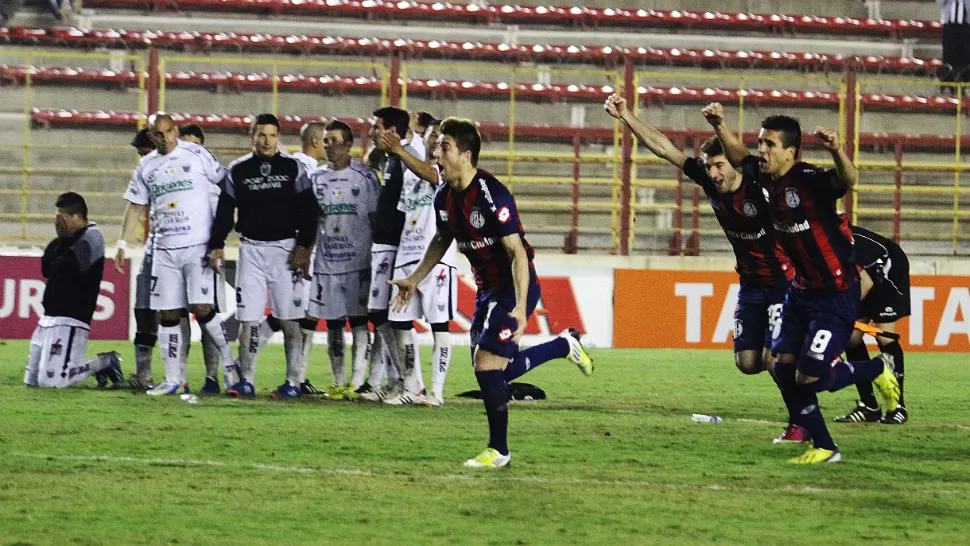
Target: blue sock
[[495, 393], [784, 377], [528, 359], [810, 417], [845, 373]]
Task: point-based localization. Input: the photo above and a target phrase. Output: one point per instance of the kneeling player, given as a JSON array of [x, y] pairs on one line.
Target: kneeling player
[[73, 265], [884, 269]]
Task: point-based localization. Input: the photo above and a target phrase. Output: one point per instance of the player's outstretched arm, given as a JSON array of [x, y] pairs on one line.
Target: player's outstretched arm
[[415, 165], [129, 230], [654, 140], [846, 175], [520, 276], [734, 149], [432, 257]]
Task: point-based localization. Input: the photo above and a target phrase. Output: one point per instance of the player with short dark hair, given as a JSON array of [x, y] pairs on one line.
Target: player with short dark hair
[[741, 208], [884, 270], [277, 223], [73, 264], [192, 133], [819, 312], [478, 212]]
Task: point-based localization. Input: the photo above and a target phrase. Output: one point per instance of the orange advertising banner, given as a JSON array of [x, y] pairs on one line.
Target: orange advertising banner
[[695, 310]]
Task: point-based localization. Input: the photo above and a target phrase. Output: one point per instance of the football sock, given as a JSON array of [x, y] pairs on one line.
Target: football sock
[[186, 327], [212, 324], [248, 349], [335, 349], [784, 376], [210, 355], [896, 351], [308, 328], [811, 418], [171, 336], [528, 359], [842, 374], [360, 353], [266, 329], [389, 341], [293, 346], [866, 394], [495, 394], [378, 363], [144, 347], [440, 361], [406, 346]]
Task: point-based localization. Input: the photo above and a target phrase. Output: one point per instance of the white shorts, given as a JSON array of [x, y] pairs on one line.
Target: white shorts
[[265, 267], [436, 300], [335, 296], [143, 282], [57, 353], [182, 277], [381, 268]]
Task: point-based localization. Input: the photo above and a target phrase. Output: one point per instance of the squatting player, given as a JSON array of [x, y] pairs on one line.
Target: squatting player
[[884, 269], [73, 265], [819, 312], [741, 207], [178, 183], [479, 213]]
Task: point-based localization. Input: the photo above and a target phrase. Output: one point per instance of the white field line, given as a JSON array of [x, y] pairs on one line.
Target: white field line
[[631, 484]]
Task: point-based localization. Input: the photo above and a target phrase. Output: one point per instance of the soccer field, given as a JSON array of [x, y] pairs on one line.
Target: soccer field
[[612, 459]]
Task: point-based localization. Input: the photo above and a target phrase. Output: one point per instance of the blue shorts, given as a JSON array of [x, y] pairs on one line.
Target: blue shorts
[[492, 327], [756, 314], [816, 325]]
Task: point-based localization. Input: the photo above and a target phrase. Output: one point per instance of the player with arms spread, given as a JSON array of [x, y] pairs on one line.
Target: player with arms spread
[[819, 312], [479, 213], [741, 207]]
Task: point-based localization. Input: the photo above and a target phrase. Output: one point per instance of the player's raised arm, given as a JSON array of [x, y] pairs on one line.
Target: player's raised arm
[[415, 165], [734, 149], [846, 174], [654, 140]]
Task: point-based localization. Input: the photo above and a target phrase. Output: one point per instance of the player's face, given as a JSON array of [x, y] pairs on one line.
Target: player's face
[[265, 140], [337, 150], [376, 130], [193, 139], [775, 158], [165, 134], [450, 159], [433, 141], [722, 173], [66, 224]]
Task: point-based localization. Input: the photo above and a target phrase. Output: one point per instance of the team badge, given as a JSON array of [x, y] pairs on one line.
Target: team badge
[[443, 214], [750, 210], [791, 198], [185, 168], [476, 219], [505, 334], [738, 329], [355, 191], [151, 177], [265, 169]]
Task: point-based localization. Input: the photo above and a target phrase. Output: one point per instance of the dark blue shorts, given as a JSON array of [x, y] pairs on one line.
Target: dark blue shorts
[[816, 325], [755, 316], [492, 327]]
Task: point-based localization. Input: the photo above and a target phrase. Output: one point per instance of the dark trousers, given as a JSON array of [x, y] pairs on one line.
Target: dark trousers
[[956, 53]]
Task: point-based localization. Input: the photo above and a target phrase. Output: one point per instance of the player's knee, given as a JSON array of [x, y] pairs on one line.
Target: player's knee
[[377, 318], [308, 323], [274, 323], [170, 317], [401, 325], [440, 327], [146, 320], [184, 313], [749, 362], [203, 312], [803, 379], [357, 322], [784, 375], [336, 325]]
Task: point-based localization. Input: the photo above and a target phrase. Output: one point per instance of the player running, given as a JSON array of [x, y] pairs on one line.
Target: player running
[[479, 213], [437, 295], [741, 207], [819, 312], [884, 269], [347, 192], [178, 183], [277, 222], [73, 265]]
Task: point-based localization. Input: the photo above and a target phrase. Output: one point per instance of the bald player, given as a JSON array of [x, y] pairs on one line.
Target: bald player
[[311, 145]]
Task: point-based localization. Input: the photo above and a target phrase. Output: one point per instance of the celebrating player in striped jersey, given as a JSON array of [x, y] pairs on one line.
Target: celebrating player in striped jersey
[[478, 212]]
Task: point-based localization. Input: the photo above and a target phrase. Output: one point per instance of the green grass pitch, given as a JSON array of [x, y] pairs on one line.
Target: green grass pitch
[[612, 459]]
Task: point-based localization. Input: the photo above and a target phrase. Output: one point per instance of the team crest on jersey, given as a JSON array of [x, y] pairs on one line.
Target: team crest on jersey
[[476, 219], [791, 198], [57, 348], [185, 168], [738, 329], [749, 208], [355, 191], [265, 169]]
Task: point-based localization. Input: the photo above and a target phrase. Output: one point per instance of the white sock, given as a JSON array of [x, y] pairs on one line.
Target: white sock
[[361, 354], [391, 352], [211, 356], [307, 349], [143, 361], [217, 332], [440, 361], [335, 349], [186, 325], [265, 332], [378, 364], [170, 343], [393, 374], [293, 345], [412, 360], [248, 349]]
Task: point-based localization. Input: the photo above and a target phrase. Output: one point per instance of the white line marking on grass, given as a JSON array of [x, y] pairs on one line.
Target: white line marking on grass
[[634, 484]]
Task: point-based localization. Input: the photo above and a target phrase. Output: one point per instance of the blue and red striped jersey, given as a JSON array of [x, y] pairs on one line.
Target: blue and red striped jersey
[[814, 234], [746, 220], [478, 218]]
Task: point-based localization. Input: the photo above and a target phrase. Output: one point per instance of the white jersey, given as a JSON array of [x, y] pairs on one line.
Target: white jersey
[[417, 204], [419, 146], [181, 188], [307, 161], [347, 198]]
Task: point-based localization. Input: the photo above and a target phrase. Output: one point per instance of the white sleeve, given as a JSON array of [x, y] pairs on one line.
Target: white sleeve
[[137, 191], [213, 170], [374, 190]]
